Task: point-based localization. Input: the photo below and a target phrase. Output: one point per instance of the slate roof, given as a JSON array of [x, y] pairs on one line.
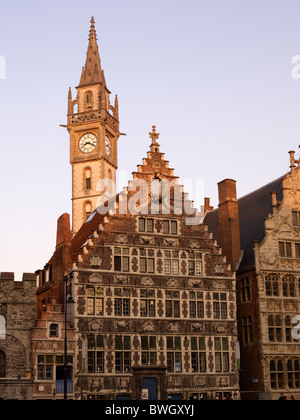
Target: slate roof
[[253, 209]]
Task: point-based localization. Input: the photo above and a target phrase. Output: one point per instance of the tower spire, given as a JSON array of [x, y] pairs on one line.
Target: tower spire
[[92, 72]]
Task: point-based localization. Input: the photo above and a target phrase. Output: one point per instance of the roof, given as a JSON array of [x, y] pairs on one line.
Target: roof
[[253, 209]]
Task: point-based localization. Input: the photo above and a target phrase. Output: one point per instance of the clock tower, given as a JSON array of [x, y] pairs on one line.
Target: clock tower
[[93, 125]]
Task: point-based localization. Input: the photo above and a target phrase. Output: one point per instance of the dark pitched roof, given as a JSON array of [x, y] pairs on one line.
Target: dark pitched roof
[[253, 209]]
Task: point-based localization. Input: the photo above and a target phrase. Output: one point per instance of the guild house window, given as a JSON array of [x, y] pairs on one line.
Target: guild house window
[[122, 354], [272, 285], [53, 330], [174, 356], [149, 347], [296, 218], [146, 225], [194, 263], [247, 326], [122, 302], [277, 374], [172, 303], [170, 227], [121, 259], [221, 354], [245, 290], [95, 353], [147, 260], [285, 249], [293, 372], [171, 262], [220, 305], [147, 303], [95, 301], [288, 286], [45, 365], [275, 329], [198, 354], [196, 305]]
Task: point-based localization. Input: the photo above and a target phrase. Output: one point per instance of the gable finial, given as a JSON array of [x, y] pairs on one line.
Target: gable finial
[[154, 135]]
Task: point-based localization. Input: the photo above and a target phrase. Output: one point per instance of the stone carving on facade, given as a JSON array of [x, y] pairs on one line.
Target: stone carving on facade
[[199, 381], [96, 384], [194, 244], [290, 306], [121, 239], [148, 326], [95, 261], [95, 325], [95, 278], [221, 328], [172, 283], [122, 324], [198, 326], [171, 242], [223, 381], [123, 384], [274, 306], [175, 382], [195, 283], [146, 240], [219, 269], [121, 279], [147, 281], [173, 327]]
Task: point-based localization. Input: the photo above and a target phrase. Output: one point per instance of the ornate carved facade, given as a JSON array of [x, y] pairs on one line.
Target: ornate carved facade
[[268, 285]]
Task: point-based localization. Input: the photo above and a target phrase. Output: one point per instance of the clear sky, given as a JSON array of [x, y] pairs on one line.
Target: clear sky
[[214, 76]]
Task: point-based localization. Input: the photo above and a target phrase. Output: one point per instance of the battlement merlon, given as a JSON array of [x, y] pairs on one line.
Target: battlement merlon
[[28, 281]]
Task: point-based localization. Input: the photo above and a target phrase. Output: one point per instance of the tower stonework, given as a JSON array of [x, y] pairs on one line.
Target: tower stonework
[[93, 125]]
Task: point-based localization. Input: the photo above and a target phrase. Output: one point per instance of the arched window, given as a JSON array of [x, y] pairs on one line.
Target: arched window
[[2, 364], [87, 209], [277, 374], [275, 329], [288, 329], [89, 97], [88, 179], [293, 372], [272, 285], [288, 286]]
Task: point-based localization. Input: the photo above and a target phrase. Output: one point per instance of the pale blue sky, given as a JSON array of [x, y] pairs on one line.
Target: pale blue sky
[[213, 75]]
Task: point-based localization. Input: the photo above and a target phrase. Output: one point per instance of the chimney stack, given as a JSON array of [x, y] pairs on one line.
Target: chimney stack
[[229, 225]]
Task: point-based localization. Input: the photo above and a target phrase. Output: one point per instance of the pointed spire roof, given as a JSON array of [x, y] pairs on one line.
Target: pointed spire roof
[[92, 72]]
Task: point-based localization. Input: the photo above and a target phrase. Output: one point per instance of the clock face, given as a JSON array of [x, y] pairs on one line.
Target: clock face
[[87, 143], [107, 146]]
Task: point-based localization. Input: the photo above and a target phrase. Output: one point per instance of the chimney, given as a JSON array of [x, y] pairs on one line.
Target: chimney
[[229, 225], [207, 206], [63, 230]]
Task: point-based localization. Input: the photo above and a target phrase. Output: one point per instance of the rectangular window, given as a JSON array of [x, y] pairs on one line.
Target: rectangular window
[[45, 367], [172, 303], [147, 303], [285, 249], [221, 354], [171, 262], [95, 353], [147, 261], [297, 251], [122, 302], [198, 354], [245, 290], [148, 350], [220, 305], [196, 305], [122, 355], [95, 301], [247, 326], [174, 356], [296, 218], [195, 263], [121, 259]]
